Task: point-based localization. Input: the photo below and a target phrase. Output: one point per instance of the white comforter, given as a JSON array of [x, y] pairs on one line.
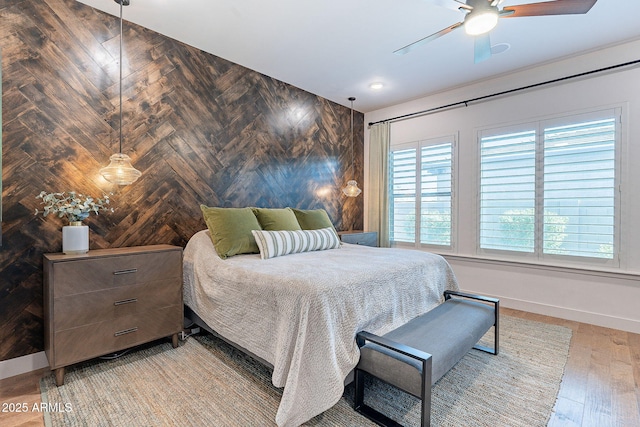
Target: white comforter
[[301, 312]]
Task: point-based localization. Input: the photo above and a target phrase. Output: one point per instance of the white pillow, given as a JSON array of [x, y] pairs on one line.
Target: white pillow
[[284, 242]]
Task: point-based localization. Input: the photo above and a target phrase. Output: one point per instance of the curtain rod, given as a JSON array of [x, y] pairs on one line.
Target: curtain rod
[[481, 98]]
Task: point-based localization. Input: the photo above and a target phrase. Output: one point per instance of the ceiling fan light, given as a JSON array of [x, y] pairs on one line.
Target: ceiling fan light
[[480, 23]]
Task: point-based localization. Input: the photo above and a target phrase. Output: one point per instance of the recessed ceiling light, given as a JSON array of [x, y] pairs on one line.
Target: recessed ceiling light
[[499, 48], [376, 86]]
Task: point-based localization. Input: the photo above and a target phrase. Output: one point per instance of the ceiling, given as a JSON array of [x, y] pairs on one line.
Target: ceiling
[[337, 48]]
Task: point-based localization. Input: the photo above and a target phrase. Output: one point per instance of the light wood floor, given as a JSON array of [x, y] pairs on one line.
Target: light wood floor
[[600, 387]]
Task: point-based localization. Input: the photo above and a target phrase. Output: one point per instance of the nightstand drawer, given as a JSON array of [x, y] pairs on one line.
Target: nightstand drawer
[[82, 276], [83, 309], [90, 341]]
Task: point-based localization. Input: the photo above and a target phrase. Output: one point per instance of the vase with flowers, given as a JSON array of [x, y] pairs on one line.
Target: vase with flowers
[[75, 207]]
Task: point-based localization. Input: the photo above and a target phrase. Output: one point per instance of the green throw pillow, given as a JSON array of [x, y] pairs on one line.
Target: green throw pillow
[[313, 219], [276, 219], [230, 230]]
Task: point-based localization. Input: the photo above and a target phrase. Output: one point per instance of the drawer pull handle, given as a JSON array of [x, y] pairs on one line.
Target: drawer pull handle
[[129, 271], [126, 301], [126, 331]]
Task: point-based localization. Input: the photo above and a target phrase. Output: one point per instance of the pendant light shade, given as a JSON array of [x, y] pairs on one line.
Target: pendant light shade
[[352, 190], [120, 171]]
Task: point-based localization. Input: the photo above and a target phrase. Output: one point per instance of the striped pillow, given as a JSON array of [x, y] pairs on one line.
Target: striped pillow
[[284, 242]]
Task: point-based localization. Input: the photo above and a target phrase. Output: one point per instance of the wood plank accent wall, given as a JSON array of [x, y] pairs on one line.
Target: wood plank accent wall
[[201, 130]]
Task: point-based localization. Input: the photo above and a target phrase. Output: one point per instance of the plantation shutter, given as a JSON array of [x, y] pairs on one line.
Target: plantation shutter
[[403, 195], [579, 189], [507, 191], [435, 200]]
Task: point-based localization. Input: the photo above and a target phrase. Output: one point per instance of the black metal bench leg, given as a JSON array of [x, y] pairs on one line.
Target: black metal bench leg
[[496, 329], [358, 399], [358, 404], [426, 392], [496, 324], [496, 333], [381, 419]]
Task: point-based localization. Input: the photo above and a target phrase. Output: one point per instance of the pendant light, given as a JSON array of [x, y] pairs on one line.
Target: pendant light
[[120, 171], [352, 190]]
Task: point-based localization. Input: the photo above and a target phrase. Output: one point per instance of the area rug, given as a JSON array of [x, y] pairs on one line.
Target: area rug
[[206, 382]]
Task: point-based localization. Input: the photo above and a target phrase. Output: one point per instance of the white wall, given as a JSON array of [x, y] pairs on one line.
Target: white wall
[[20, 365], [610, 299]]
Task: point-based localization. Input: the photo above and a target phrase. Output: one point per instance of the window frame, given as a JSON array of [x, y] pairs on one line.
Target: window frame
[[539, 125], [418, 145]]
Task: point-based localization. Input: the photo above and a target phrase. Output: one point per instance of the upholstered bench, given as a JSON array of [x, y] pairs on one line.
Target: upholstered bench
[[417, 354]]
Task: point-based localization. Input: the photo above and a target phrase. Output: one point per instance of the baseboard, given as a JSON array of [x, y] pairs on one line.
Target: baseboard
[[23, 364], [591, 318]]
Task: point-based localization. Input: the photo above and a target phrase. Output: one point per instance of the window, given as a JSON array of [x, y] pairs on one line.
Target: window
[[549, 189], [421, 188]]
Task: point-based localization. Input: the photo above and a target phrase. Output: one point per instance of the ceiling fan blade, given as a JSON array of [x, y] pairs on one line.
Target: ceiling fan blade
[[482, 48], [408, 48], [558, 7]]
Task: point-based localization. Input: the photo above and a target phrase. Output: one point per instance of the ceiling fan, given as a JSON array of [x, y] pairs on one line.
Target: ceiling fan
[[482, 16]]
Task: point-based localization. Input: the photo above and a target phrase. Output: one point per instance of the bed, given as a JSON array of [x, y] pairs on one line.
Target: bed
[[300, 313]]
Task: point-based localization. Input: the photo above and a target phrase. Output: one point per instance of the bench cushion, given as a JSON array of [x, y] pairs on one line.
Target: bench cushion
[[447, 332]]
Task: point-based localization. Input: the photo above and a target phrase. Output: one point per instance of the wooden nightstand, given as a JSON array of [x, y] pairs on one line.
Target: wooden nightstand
[[366, 238], [110, 299]]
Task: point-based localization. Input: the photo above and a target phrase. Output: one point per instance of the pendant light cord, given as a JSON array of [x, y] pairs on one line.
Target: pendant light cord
[[353, 166], [121, 2], [120, 171]]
